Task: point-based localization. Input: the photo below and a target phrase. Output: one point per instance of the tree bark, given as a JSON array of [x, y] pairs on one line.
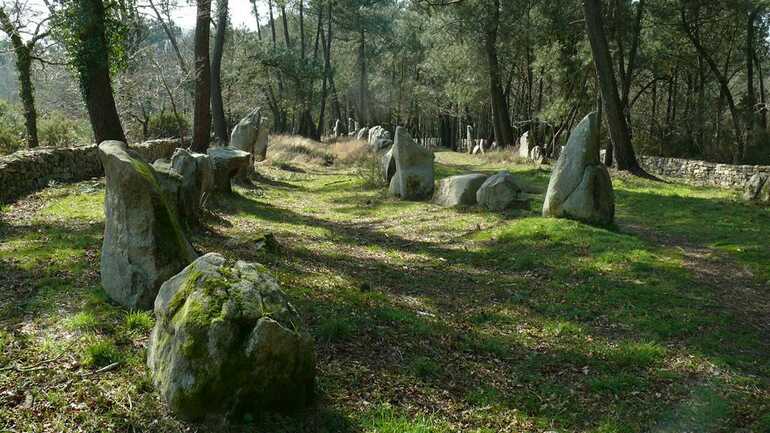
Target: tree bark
[[91, 58], [502, 121], [625, 156], [23, 52], [217, 106], [202, 112]]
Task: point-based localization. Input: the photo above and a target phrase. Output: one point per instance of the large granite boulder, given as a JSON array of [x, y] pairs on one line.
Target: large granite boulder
[[228, 164], [197, 182], [144, 243], [459, 190], [414, 168], [383, 143], [758, 188], [580, 186], [502, 191], [227, 343]]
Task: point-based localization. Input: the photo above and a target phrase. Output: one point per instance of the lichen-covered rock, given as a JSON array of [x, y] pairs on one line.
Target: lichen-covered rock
[[414, 168], [580, 187], [227, 343], [228, 164], [144, 243], [536, 155], [362, 133], [458, 190], [758, 188], [502, 191], [382, 144], [197, 182]]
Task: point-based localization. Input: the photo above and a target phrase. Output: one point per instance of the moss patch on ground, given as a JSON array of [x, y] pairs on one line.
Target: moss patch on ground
[[426, 319]]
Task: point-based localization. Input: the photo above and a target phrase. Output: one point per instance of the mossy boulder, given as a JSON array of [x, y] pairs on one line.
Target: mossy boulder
[[144, 244], [227, 343]]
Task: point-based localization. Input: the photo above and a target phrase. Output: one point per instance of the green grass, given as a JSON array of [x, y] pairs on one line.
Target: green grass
[[100, 353], [426, 319]]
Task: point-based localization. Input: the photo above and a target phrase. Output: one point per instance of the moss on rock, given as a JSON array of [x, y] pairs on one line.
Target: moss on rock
[[228, 343]]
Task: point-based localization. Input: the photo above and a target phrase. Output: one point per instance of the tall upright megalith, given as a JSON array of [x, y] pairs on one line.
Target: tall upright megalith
[[414, 178], [580, 187], [144, 244]]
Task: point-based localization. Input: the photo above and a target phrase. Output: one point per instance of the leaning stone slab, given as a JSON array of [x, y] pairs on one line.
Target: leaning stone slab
[[245, 134], [144, 243], [580, 187], [228, 164], [459, 190], [524, 150], [502, 191], [260, 150], [228, 344], [414, 168]]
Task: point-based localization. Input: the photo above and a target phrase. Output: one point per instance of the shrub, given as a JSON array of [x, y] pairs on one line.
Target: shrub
[[56, 129], [369, 170], [11, 128], [166, 125]]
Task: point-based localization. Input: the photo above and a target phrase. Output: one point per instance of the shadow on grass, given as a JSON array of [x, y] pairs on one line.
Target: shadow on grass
[[618, 287]]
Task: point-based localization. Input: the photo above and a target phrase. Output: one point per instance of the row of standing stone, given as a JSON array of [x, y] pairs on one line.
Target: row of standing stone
[[226, 342]]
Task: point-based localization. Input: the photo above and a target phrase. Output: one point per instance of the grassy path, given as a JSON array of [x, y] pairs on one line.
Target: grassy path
[[426, 319]]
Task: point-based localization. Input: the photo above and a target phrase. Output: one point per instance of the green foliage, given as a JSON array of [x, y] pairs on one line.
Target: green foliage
[[100, 352], [56, 129], [11, 128], [83, 321], [166, 125], [139, 321]]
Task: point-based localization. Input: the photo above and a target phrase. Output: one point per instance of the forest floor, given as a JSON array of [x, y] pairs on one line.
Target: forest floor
[[425, 319]]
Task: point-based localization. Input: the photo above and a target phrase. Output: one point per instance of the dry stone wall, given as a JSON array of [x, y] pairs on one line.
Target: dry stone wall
[[26, 171], [702, 172]]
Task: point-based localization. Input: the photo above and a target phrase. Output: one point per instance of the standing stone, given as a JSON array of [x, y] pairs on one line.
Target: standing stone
[[197, 182], [580, 186], [459, 190], [227, 343], [228, 164], [758, 188], [536, 155], [260, 149], [469, 136], [336, 128], [388, 164], [524, 151], [500, 192], [144, 244], [362, 133], [414, 168], [245, 133]]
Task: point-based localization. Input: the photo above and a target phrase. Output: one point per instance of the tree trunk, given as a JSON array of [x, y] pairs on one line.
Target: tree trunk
[[751, 96], [502, 121], [363, 97], [171, 37], [23, 54], [217, 106], [625, 156], [202, 113], [694, 35], [92, 62]]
